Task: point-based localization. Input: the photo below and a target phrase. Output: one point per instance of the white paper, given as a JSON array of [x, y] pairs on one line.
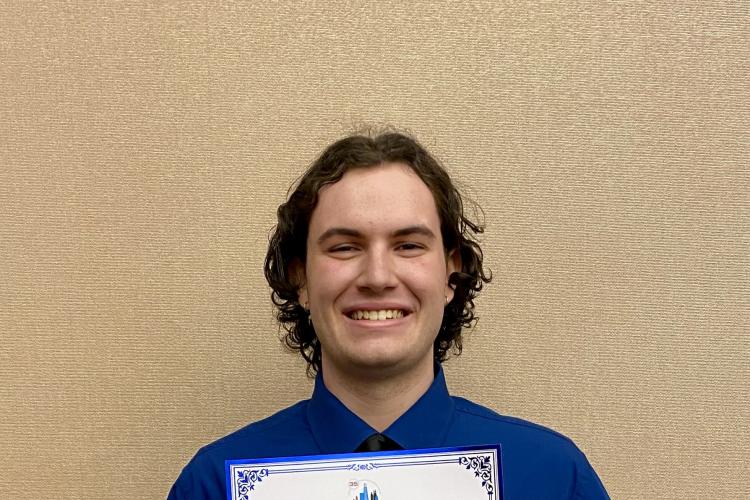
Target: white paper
[[465, 473]]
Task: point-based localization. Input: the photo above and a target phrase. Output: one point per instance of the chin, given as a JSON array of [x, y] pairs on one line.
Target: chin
[[387, 363], [371, 360]]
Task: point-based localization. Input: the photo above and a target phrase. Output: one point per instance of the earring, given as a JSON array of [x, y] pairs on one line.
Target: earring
[[307, 310]]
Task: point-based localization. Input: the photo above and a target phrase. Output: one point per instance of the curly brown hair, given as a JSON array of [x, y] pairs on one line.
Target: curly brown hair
[[288, 242]]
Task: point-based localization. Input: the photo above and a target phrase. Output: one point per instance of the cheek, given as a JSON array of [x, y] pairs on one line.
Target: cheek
[[328, 277], [426, 278]]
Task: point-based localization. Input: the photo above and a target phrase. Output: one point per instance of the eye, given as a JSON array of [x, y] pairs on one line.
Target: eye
[[343, 248], [410, 247]]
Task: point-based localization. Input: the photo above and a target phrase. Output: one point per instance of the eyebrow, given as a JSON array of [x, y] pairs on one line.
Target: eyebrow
[[338, 231], [406, 231], [415, 229]]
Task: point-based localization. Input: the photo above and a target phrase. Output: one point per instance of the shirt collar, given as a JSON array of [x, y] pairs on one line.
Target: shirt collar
[[338, 430]]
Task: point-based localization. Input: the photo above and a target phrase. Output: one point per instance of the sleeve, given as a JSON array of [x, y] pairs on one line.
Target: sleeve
[[177, 492], [588, 486], [201, 479]]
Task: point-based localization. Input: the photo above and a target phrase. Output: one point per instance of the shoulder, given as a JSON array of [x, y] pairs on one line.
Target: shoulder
[[279, 434], [476, 414], [534, 457], [251, 440]]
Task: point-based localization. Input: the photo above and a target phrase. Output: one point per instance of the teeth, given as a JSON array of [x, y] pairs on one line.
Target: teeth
[[379, 315]]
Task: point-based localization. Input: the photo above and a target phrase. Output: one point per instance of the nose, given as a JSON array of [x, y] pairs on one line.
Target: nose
[[377, 273]]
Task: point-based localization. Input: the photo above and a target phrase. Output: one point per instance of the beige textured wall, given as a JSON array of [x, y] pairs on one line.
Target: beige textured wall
[[144, 148]]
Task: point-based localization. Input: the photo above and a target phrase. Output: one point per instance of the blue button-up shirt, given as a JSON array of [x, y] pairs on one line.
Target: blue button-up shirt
[[537, 463]]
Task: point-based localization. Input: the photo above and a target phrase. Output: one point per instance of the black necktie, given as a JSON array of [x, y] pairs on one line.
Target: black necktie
[[378, 442]]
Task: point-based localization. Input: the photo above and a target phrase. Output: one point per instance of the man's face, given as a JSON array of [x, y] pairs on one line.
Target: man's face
[[376, 276]]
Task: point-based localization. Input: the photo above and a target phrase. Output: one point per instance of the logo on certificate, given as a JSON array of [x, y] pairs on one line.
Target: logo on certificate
[[363, 489]]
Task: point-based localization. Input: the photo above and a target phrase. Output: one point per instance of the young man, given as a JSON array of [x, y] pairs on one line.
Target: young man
[[374, 270]]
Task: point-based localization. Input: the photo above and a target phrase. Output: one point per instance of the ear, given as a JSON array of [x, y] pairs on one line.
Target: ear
[[452, 265], [299, 278]]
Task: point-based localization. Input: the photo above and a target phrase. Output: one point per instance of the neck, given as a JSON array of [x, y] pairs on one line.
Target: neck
[[380, 400]]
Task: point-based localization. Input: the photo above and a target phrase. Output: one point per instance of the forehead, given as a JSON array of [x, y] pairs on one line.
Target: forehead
[[385, 196]]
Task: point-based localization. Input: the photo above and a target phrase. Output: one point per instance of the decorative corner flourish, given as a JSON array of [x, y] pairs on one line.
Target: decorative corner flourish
[[482, 466], [246, 479]]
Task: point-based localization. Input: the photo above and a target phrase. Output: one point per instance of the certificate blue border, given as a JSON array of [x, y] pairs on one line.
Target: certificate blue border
[[498, 488]]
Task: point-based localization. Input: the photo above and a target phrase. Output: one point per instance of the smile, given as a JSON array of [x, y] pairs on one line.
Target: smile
[[379, 315]]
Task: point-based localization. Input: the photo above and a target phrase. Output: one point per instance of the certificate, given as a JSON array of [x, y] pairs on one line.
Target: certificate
[[464, 473]]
